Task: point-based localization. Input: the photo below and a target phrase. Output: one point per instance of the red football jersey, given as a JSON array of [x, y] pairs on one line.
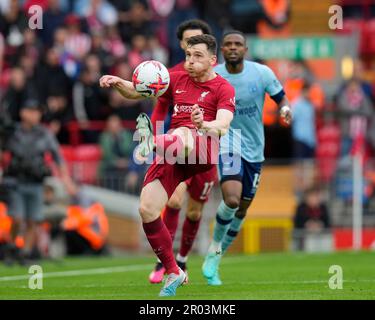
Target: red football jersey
[[183, 92]]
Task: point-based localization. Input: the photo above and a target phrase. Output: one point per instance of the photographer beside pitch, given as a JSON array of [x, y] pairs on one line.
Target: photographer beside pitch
[[251, 81], [211, 116], [28, 144]]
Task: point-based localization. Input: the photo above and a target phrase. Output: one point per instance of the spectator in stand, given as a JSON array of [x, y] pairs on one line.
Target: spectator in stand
[[356, 111], [77, 44], [157, 51], [28, 65], [16, 95], [311, 216], [100, 13], [13, 23], [59, 38], [31, 47], [162, 12], [137, 22], [182, 11], [114, 43], [274, 18], [58, 114], [139, 52], [123, 69], [301, 73], [358, 76], [217, 14], [51, 75], [94, 65], [125, 109], [53, 19], [304, 139], [117, 156], [303, 125], [89, 102], [100, 50]]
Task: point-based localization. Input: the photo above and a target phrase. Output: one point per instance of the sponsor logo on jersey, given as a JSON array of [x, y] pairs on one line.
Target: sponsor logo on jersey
[[183, 108]]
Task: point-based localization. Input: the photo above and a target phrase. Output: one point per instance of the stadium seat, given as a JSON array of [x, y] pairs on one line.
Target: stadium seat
[[83, 161], [86, 162]]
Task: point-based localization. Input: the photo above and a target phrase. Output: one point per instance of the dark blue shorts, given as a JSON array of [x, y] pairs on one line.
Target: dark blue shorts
[[233, 167], [302, 150]]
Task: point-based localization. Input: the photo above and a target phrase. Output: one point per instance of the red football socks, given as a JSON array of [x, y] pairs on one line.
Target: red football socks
[[160, 240], [170, 219], [189, 232]]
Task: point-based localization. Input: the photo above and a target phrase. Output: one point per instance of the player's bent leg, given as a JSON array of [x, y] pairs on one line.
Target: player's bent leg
[[187, 140], [231, 190], [189, 231], [231, 193], [145, 131], [153, 199], [236, 224], [229, 237], [177, 197], [169, 216]]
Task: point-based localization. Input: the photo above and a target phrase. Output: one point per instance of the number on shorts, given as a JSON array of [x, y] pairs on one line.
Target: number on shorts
[[206, 190], [256, 180]]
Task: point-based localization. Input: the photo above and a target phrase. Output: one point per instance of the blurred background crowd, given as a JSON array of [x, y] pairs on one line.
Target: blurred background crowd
[[56, 70]]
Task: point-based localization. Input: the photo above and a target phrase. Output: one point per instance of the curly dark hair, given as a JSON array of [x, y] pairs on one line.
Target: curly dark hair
[[193, 24]]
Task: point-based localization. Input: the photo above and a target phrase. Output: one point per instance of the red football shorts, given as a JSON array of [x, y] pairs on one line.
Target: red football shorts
[[171, 175], [200, 185]]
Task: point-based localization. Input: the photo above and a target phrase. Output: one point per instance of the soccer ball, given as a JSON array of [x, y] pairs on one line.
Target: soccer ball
[[151, 78]]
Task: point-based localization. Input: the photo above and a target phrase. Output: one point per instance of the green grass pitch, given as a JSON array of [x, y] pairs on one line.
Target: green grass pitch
[[249, 277]]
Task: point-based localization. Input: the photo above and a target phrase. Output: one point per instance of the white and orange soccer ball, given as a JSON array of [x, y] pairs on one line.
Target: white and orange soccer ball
[[151, 78]]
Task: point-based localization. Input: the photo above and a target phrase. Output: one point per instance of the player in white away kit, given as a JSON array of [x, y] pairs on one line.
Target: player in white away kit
[[241, 150]]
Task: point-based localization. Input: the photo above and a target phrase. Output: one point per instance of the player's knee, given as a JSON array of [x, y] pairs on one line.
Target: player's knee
[[175, 202], [194, 214], [147, 213], [232, 201]]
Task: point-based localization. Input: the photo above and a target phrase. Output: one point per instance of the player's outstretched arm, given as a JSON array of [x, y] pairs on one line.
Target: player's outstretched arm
[[125, 87], [219, 126]]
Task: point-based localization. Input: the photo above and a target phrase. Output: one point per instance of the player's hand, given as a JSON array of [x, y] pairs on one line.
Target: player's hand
[[109, 81], [197, 116], [286, 114]]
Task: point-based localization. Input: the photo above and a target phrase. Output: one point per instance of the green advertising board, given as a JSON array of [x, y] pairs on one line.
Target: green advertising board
[[291, 48]]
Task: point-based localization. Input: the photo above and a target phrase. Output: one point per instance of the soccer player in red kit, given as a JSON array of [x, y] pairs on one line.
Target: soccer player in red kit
[[198, 187], [204, 104]]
